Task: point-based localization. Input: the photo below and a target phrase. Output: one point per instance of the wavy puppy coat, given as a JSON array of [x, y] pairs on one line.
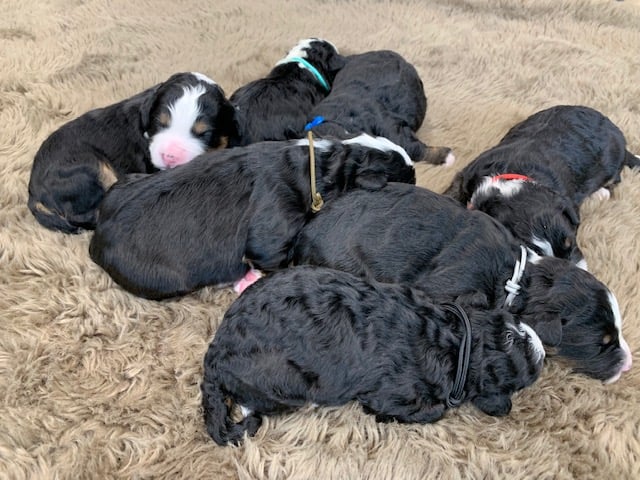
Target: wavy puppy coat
[[161, 127], [204, 223], [561, 155], [276, 107], [312, 335], [410, 235], [379, 93]]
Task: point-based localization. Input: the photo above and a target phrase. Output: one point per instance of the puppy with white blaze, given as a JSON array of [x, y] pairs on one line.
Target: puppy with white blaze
[[310, 335], [410, 235], [162, 127], [210, 221], [276, 107], [379, 93], [534, 180]]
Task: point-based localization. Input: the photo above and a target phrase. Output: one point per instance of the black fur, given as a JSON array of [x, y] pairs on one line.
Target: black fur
[[312, 335], [170, 233], [78, 162], [569, 152], [276, 107], [381, 94], [407, 234]]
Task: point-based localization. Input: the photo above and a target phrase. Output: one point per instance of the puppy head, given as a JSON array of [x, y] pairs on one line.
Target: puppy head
[[187, 115], [509, 358], [322, 54], [539, 217], [367, 162], [578, 317]]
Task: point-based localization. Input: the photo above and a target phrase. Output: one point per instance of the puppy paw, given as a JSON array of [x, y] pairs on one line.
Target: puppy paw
[[249, 278], [601, 194]]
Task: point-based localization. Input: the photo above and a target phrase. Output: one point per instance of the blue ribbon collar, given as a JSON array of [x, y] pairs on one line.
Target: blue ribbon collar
[[312, 69]]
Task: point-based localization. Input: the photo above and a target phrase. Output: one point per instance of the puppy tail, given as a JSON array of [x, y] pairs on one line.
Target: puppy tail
[[631, 160]]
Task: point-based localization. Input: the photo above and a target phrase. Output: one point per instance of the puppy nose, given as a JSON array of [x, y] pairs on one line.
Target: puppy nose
[[173, 155]]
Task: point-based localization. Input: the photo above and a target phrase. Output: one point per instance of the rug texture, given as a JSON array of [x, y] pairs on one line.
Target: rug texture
[[96, 383]]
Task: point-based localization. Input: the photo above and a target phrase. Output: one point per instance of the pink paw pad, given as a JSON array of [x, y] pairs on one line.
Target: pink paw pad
[[249, 278]]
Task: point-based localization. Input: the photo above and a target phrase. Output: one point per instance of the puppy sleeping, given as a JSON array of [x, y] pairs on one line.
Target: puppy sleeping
[[317, 336], [537, 176], [276, 107], [379, 93], [406, 234], [207, 222], [164, 126]]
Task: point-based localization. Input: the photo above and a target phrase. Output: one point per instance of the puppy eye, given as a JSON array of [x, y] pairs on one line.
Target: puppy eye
[[200, 128], [164, 119]]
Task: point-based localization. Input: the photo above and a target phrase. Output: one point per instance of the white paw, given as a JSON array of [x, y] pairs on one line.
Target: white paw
[[601, 194]]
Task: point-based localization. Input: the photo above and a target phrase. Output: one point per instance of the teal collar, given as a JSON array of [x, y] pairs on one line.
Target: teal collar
[[312, 69]]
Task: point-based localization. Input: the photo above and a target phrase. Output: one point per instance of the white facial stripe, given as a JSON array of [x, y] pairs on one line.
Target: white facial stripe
[[543, 245], [508, 188], [300, 50], [616, 312], [185, 110], [320, 144], [379, 143], [534, 340], [203, 78]]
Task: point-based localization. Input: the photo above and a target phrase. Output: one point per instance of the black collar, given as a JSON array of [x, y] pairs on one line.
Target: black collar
[[456, 395]]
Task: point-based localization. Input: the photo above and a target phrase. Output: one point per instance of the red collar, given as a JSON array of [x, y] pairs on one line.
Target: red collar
[[511, 176]]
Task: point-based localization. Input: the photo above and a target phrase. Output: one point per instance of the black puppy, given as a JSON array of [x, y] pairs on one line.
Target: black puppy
[[276, 107], [162, 127], [379, 93], [537, 176], [206, 222], [312, 335], [406, 234]]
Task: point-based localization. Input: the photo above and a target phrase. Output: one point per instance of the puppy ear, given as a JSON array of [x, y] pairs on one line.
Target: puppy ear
[[371, 180], [370, 173], [227, 120], [148, 100], [550, 332], [571, 213], [494, 404]]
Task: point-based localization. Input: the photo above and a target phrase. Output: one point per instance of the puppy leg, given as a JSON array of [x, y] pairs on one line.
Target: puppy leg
[[403, 410], [250, 278]]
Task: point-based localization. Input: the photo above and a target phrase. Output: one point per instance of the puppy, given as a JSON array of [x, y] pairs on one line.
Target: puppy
[[406, 234], [537, 176], [276, 107], [164, 126], [207, 222], [313, 335], [379, 93]]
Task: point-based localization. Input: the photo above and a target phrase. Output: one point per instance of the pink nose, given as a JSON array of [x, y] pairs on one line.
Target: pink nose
[[174, 155]]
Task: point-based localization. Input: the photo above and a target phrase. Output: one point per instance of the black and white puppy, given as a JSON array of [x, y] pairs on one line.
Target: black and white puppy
[[309, 335], [407, 234], [379, 93], [534, 180], [276, 107], [161, 127], [206, 222]]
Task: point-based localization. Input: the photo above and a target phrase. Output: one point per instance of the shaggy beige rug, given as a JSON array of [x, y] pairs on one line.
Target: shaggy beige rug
[[95, 383]]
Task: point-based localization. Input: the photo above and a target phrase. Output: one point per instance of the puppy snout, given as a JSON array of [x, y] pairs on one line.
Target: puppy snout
[[174, 155]]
